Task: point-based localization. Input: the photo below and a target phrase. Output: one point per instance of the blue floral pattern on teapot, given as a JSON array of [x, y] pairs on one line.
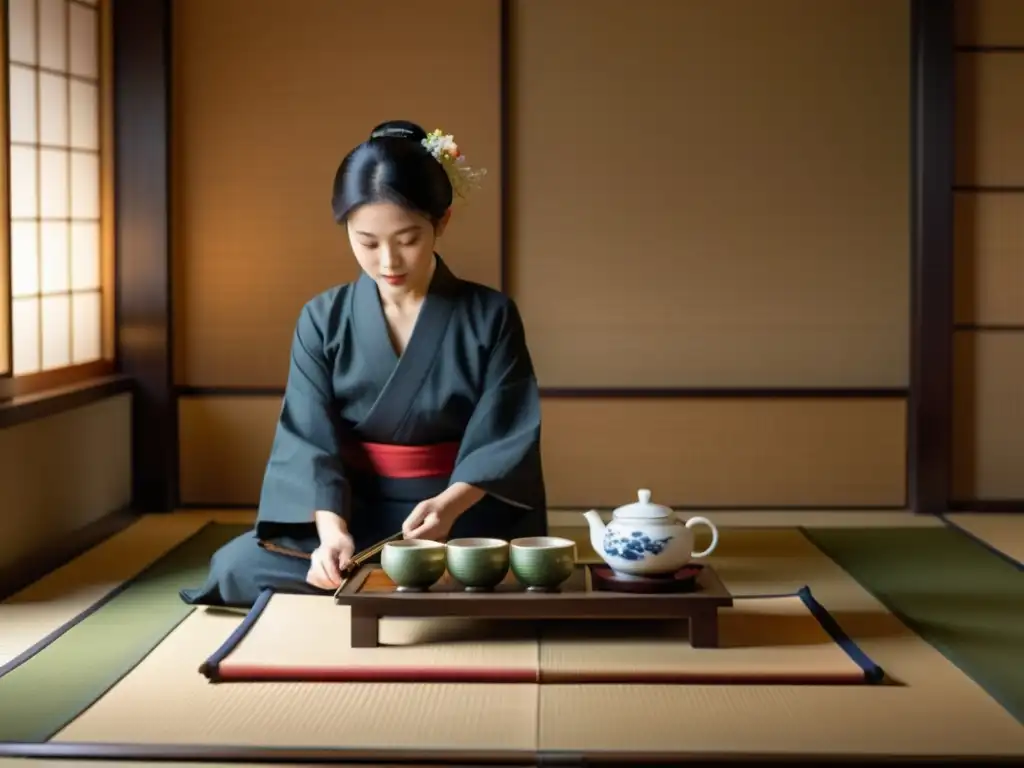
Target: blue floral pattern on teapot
[[634, 547]]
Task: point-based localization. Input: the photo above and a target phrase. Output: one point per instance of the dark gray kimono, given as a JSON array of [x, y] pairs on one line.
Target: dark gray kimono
[[465, 377]]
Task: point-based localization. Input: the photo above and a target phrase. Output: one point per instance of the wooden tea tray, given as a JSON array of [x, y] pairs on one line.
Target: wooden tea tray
[[370, 594]]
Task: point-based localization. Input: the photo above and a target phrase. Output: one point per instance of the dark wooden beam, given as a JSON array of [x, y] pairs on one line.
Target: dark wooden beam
[[930, 411], [507, 105], [142, 80], [988, 506]]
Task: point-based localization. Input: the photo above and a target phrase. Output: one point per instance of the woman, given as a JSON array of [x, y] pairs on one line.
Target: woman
[[411, 402]]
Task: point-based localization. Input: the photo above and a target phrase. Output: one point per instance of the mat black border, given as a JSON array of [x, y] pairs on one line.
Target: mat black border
[[144, 148], [425, 757], [871, 671]]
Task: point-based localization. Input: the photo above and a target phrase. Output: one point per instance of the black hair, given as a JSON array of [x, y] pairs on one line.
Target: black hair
[[392, 166]]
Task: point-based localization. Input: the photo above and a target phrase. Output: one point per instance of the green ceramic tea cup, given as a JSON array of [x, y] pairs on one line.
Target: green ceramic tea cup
[[414, 565], [478, 564], [542, 563]]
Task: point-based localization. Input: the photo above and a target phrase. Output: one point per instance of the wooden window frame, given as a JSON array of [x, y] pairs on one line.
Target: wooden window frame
[[15, 387]]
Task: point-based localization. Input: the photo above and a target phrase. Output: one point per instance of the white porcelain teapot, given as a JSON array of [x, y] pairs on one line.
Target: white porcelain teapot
[[645, 539]]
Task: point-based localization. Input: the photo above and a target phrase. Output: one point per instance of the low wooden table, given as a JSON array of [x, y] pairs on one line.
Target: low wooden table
[[371, 595]]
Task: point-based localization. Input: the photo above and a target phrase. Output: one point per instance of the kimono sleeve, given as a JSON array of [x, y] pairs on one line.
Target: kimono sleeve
[[304, 473], [500, 449]]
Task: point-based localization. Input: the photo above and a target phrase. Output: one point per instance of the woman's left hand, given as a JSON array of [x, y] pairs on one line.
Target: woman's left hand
[[433, 518], [430, 519]]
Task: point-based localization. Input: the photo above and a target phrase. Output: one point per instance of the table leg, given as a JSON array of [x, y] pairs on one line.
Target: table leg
[[704, 629], [364, 629]]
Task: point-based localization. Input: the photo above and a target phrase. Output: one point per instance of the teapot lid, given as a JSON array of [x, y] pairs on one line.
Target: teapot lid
[[643, 509]]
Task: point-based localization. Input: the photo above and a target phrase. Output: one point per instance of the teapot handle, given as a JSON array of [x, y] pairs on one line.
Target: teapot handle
[[714, 535]]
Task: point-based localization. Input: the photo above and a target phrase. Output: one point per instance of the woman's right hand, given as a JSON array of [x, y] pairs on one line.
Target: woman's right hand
[[329, 559]]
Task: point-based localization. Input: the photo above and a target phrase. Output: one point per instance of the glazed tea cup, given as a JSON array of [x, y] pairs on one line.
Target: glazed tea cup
[[478, 564], [414, 565], [542, 563]]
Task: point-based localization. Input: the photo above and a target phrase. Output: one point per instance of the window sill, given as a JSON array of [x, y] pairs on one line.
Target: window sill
[[39, 405]]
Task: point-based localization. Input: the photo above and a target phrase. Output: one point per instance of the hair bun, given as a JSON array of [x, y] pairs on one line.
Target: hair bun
[[398, 129]]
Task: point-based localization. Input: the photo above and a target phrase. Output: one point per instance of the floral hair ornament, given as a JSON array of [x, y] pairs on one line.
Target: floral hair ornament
[[444, 149]]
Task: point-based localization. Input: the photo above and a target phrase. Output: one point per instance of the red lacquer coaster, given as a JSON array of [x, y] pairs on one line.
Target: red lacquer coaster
[[683, 580]]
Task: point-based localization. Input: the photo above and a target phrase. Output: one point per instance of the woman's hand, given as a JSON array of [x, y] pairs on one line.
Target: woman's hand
[[334, 553], [430, 519], [433, 518]]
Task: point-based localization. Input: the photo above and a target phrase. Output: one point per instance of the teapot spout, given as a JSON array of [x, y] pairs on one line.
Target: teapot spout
[[597, 528]]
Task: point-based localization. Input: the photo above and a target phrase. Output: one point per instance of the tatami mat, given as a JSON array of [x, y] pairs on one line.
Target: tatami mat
[[1004, 533], [42, 608], [890, 720], [370, 715], [708, 719], [34, 613], [761, 640]]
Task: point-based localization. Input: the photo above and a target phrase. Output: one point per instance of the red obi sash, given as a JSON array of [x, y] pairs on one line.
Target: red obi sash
[[403, 461]]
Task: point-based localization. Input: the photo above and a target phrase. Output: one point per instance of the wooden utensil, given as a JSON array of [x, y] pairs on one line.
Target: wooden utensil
[[357, 560]]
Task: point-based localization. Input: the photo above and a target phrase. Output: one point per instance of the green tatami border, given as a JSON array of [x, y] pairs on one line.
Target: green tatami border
[[954, 592], [45, 692]]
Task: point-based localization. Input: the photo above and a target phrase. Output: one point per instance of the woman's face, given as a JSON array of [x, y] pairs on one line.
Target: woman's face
[[394, 246]]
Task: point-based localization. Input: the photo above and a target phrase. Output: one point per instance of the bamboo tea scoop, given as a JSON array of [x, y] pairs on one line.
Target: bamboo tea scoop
[[357, 560]]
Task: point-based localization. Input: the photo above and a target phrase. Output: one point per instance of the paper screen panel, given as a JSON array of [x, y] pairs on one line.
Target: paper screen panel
[[719, 452], [989, 22], [267, 101], [989, 233], [988, 421], [672, 226], [989, 114]]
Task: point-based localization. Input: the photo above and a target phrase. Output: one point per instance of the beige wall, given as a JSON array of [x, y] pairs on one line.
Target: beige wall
[[819, 452], [692, 191], [61, 473], [268, 100], [989, 227], [694, 203]]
